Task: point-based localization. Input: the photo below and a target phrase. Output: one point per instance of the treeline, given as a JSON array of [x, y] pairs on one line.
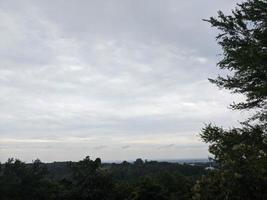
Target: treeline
[[91, 180], [88, 179]]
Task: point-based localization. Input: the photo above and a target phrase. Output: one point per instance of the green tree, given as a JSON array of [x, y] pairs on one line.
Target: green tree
[[176, 185], [149, 189], [89, 181], [243, 39], [241, 153], [139, 162], [20, 181]]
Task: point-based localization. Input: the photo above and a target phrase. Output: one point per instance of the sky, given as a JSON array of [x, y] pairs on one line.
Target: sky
[[117, 79]]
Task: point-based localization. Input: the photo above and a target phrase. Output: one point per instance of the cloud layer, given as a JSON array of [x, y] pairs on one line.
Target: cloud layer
[[118, 79]]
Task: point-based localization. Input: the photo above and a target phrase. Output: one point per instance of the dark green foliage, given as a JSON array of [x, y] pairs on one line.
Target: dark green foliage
[[243, 39], [177, 185], [138, 180], [240, 153], [124, 190], [237, 147], [132, 172], [149, 189], [59, 170], [139, 162], [89, 179], [21, 181]]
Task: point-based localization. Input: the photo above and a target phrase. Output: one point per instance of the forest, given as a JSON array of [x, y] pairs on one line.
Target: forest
[[91, 179], [239, 154]]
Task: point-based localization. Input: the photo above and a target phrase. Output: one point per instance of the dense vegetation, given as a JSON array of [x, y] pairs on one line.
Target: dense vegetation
[[241, 153], [88, 179]]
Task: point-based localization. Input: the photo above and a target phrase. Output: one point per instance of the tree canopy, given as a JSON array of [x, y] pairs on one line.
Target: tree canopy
[[243, 38], [240, 153]]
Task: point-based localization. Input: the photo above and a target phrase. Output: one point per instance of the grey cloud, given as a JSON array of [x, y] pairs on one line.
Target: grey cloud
[[166, 146], [108, 69], [100, 147], [161, 21]]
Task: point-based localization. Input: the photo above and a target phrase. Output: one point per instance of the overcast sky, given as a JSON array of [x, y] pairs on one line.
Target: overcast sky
[[116, 79]]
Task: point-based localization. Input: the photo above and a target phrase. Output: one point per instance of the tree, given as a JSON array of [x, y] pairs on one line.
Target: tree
[[20, 181], [241, 153], [89, 181], [149, 189], [243, 39], [139, 162]]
